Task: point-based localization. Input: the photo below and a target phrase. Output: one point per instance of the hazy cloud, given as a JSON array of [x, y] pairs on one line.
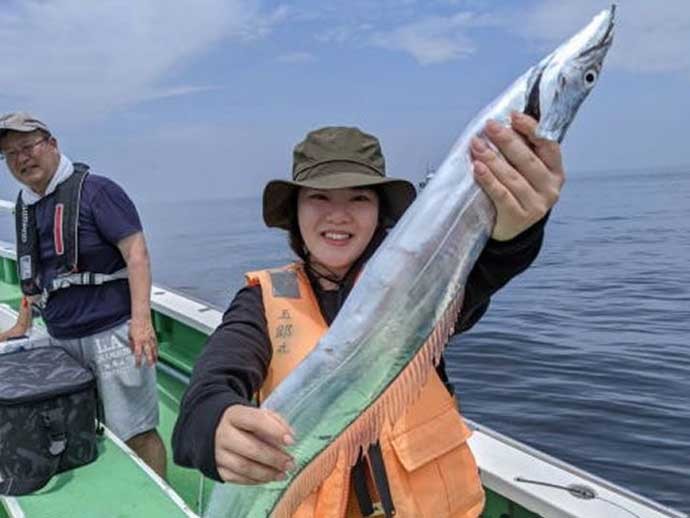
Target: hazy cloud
[[176, 91], [428, 39], [96, 57], [431, 40], [297, 57], [650, 36], [342, 34]]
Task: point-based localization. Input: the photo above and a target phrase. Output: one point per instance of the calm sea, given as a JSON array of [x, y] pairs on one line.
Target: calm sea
[[585, 356]]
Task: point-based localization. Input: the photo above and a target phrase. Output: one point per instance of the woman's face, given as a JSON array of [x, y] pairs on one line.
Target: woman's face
[[337, 224]]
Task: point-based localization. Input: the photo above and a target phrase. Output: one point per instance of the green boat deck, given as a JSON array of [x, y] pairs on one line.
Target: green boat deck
[[115, 486]]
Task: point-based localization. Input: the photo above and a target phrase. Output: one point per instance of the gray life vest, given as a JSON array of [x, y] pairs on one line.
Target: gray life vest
[[65, 238]]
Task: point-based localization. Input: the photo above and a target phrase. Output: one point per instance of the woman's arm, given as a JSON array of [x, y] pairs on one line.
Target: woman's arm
[[218, 431], [498, 263]]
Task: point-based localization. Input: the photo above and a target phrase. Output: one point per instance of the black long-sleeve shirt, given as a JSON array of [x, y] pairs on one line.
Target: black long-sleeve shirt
[[235, 359]]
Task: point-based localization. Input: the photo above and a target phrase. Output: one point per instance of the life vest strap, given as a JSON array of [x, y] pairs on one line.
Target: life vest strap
[[359, 482], [378, 470], [65, 232], [85, 279], [80, 279]]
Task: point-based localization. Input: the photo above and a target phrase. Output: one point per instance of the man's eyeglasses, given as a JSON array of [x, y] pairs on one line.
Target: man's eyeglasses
[[27, 149]]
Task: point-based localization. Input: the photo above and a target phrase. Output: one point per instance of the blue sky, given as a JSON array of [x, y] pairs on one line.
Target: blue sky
[[206, 98]]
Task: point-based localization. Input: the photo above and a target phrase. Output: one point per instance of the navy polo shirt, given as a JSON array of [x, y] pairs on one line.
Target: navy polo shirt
[[106, 215]]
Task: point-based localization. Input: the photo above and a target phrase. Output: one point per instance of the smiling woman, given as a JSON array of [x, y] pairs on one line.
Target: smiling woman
[[337, 210], [336, 226]]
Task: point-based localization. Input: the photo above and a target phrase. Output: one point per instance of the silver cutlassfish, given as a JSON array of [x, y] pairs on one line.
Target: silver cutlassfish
[[391, 331]]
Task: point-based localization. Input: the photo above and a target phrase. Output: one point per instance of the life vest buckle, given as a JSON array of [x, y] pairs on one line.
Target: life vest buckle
[[378, 511]]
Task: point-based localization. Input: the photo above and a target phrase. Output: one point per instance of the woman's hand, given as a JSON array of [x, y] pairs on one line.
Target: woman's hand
[[249, 446], [525, 182]]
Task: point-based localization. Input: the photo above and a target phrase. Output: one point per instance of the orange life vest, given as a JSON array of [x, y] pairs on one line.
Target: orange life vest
[[431, 471]]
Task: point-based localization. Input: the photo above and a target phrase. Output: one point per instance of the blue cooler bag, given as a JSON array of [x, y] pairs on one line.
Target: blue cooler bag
[[48, 417]]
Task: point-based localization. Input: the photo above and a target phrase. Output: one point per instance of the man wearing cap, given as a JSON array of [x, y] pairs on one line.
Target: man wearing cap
[[82, 259], [337, 210]]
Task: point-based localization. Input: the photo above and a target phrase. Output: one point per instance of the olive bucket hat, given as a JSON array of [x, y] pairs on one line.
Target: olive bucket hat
[[336, 157]]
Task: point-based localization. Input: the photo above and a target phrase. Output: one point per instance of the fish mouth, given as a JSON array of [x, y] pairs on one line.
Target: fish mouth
[[603, 43]]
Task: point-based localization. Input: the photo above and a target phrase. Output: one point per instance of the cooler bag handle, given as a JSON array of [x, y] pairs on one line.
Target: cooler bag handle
[[54, 424], [52, 420]]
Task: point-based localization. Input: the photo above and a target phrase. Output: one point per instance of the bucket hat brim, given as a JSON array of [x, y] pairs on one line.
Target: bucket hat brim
[[278, 195]]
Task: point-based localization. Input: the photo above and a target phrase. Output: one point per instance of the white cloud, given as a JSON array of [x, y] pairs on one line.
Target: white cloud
[[650, 36], [340, 34], [297, 57], [431, 40], [162, 93], [95, 57]]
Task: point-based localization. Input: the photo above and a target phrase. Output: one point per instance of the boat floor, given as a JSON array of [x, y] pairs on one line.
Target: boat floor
[[98, 489]]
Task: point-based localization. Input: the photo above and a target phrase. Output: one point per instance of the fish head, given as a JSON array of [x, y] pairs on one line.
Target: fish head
[[561, 81]]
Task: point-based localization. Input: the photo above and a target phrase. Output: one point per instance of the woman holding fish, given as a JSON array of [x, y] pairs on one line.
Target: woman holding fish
[[356, 409], [337, 210]]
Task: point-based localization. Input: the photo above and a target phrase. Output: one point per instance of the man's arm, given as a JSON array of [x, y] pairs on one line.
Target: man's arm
[[142, 338], [24, 320]]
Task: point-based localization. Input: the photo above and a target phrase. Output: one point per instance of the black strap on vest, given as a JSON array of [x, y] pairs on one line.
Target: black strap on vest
[[27, 247], [65, 231], [69, 198], [378, 471], [359, 482]]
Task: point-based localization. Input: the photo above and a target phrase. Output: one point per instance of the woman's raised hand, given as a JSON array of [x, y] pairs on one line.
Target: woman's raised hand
[[524, 181]]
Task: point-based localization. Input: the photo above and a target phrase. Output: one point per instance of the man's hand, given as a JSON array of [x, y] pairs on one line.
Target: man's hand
[[142, 337], [142, 341], [249, 446], [525, 182], [23, 323], [13, 332]]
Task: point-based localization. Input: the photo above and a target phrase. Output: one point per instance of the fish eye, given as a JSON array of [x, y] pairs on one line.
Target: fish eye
[[590, 76]]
